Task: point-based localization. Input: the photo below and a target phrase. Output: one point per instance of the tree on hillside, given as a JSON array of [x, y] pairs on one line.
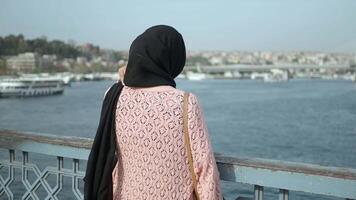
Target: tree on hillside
[[13, 45]]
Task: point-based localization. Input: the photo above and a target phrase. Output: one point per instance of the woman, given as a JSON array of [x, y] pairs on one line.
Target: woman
[[152, 162]]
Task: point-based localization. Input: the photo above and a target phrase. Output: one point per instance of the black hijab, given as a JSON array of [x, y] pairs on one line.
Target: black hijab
[[156, 57]]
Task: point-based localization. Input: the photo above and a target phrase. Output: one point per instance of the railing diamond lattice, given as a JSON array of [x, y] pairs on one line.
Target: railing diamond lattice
[[40, 177]]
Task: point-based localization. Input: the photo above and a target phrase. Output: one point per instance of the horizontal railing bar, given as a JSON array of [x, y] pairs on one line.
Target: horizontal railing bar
[[332, 181], [277, 165], [53, 145], [10, 137], [58, 145]]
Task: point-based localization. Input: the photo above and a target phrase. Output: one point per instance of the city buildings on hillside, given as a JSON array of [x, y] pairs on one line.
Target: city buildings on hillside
[[29, 61], [109, 60], [25, 62], [270, 57]]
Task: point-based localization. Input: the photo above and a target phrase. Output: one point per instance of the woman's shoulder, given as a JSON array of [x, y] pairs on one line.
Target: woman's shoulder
[[172, 93]]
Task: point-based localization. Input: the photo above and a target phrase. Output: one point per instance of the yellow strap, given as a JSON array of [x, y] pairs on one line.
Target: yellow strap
[[187, 142]]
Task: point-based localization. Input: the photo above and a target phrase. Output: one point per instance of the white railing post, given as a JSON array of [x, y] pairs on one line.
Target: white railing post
[[283, 194], [258, 192]]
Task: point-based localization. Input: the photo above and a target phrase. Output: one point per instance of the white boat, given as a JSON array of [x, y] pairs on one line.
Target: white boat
[[109, 76], [67, 80], [30, 86], [259, 76], [65, 76], [274, 75], [195, 76], [232, 75], [92, 77]]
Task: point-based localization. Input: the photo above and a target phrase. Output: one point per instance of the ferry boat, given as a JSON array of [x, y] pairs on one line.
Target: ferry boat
[[30, 86]]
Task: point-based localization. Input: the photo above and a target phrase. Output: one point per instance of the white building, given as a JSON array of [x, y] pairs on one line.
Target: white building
[[25, 62]]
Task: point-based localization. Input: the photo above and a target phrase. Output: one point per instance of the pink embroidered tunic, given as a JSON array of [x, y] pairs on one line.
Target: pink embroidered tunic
[[153, 162]]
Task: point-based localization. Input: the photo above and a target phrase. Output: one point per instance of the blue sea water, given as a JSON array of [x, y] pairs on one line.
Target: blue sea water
[[312, 121]]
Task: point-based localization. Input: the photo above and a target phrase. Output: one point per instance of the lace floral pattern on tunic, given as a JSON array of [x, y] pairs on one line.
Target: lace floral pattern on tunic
[[152, 157]]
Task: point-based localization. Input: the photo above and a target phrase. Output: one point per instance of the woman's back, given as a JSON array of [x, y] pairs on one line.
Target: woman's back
[[153, 162]]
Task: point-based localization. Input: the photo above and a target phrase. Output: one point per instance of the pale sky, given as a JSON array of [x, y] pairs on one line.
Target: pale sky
[[311, 25]]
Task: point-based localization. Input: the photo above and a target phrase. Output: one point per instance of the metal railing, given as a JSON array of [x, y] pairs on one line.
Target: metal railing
[[261, 173]]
